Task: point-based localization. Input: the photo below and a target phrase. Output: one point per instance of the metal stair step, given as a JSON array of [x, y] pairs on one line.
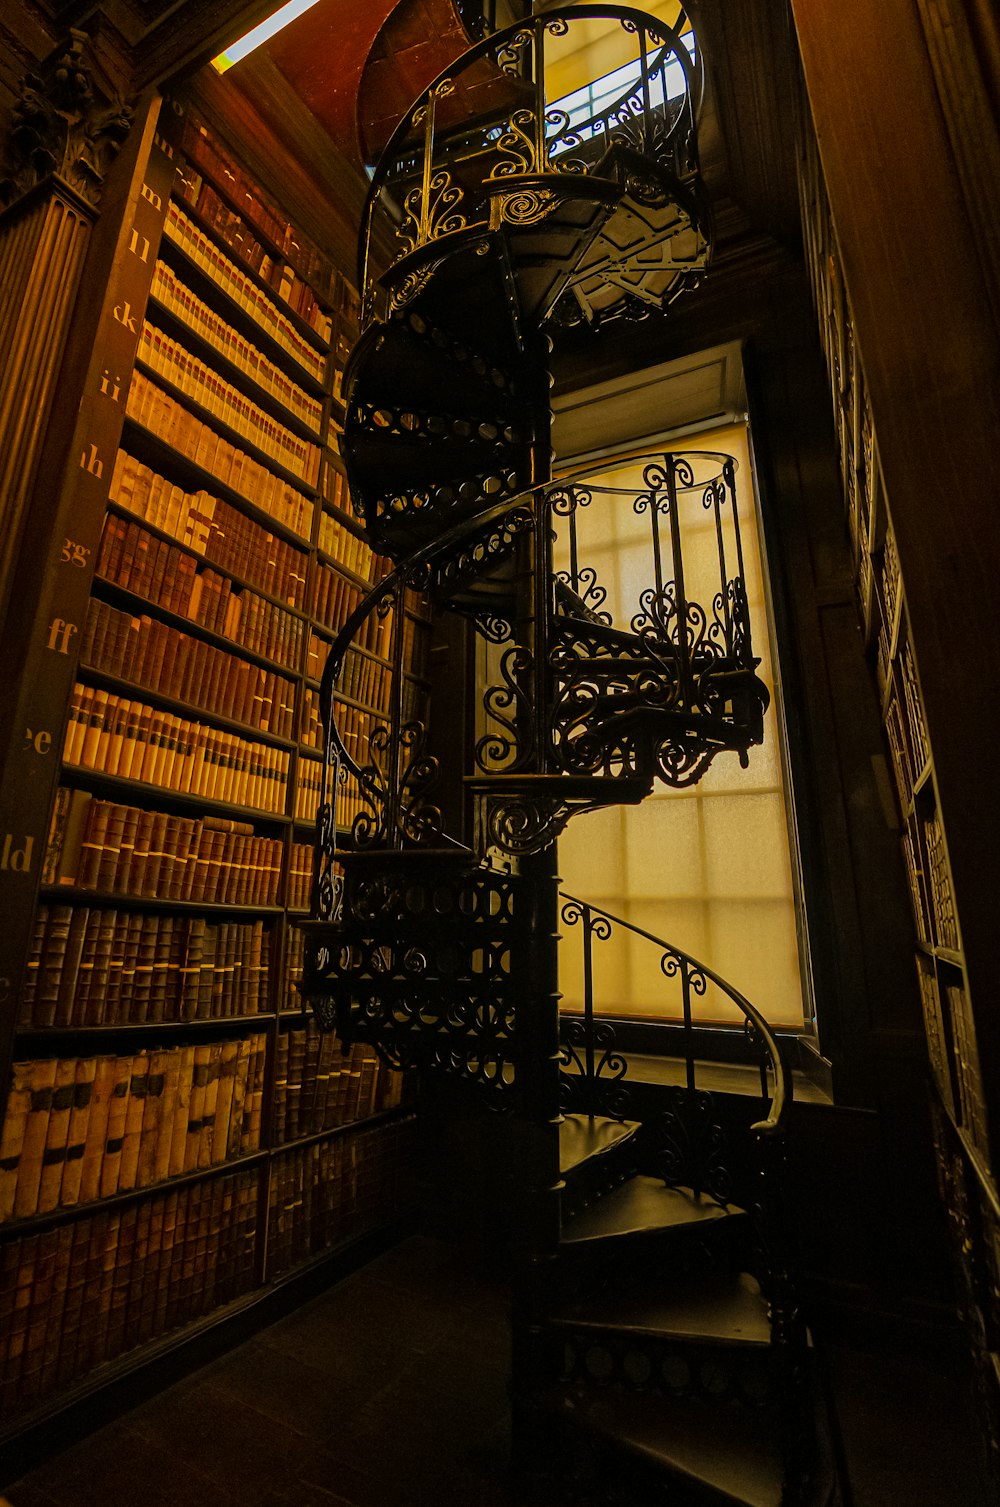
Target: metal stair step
[[721, 1307], [726, 1456], [642, 1206], [583, 1137]]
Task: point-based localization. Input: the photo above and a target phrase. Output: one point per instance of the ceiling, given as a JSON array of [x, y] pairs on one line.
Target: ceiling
[[307, 103]]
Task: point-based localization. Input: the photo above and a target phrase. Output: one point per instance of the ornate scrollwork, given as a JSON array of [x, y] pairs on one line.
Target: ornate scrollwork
[[509, 55], [528, 207], [434, 216], [436, 996], [419, 819], [65, 125], [326, 892], [494, 628], [694, 1153], [508, 746], [371, 826], [588, 593], [411, 286], [521, 824], [518, 144]]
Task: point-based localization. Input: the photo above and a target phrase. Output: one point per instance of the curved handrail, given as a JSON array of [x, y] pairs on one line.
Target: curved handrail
[[420, 558], [783, 1088], [420, 111]]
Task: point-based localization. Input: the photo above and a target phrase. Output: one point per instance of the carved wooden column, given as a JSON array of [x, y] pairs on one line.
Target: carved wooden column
[[67, 342], [68, 126]]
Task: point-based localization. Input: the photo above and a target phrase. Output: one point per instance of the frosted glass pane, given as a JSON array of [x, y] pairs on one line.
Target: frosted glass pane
[[707, 869], [745, 846], [754, 946], [685, 923], [663, 848], [593, 854]]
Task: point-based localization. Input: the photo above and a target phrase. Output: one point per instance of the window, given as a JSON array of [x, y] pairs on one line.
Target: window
[[710, 869]]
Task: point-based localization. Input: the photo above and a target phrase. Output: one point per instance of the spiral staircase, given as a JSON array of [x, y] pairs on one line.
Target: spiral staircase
[[658, 1349]]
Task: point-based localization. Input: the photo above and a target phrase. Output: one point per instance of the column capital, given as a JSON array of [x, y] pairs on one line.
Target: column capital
[[68, 123]]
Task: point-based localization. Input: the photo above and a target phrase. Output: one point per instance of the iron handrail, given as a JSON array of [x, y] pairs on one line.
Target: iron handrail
[[690, 967], [422, 112]]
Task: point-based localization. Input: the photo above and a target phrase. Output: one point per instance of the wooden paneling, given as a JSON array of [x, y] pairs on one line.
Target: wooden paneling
[[932, 362]]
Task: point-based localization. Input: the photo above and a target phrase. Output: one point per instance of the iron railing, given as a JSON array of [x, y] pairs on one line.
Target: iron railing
[[581, 706], [590, 1051], [486, 142]]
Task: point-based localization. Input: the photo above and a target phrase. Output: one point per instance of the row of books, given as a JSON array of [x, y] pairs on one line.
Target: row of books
[[318, 1084], [235, 233], [300, 871], [100, 845], [212, 528], [151, 654], [350, 802], [133, 558], [349, 549], [939, 883], [90, 1290], [295, 957], [134, 741], [204, 150], [82, 1128], [112, 968], [175, 296], [153, 409], [333, 598], [334, 490], [332, 1191], [172, 361], [365, 679], [354, 725], [243, 290], [199, 594]]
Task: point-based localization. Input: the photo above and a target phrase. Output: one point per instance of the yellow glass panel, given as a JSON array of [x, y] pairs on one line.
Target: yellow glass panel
[[708, 869], [746, 851], [593, 48], [659, 833]]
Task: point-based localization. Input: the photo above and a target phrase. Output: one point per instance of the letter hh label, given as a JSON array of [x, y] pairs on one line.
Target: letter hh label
[[89, 462]]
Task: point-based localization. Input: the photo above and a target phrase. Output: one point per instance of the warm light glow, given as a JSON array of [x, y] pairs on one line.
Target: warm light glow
[[261, 33], [709, 868]]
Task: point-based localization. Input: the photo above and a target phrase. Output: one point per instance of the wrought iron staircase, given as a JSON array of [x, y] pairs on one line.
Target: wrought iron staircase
[[654, 1316]]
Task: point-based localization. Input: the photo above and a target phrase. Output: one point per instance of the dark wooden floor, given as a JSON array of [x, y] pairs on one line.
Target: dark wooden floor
[[389, 1391]]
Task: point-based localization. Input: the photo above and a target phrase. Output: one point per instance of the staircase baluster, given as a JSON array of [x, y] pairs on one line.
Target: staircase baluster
[[538, 64], [588, 1006], [689, 1061], [674, 466], [647, 119], [715, 488]]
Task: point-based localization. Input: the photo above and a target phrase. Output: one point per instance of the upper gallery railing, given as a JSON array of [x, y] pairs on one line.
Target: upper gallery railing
[[480, 138]]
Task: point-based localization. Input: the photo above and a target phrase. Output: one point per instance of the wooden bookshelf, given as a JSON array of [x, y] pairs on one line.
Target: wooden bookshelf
[[942, 978], [178, 1136]]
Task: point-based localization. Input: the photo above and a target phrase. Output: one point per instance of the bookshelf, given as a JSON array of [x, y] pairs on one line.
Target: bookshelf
[[966, 1158], [178, 1138]]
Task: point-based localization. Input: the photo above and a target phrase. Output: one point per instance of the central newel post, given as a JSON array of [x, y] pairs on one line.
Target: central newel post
[[537, 1117]]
